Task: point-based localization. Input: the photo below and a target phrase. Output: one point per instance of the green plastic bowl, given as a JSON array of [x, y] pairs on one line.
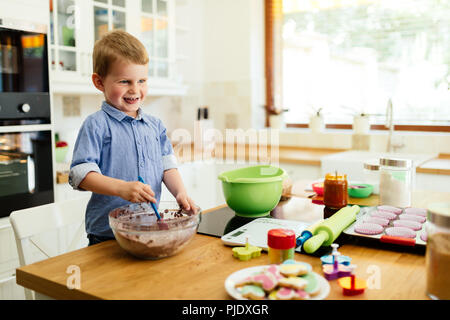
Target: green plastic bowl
[[360, 192], [253, 191]]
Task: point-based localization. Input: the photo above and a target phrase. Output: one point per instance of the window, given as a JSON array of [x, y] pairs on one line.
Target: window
[[350, 57]]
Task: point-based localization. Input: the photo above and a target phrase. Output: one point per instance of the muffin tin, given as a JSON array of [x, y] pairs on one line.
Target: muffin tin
[[392, 225]]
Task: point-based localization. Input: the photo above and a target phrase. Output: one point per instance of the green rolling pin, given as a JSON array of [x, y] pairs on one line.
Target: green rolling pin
[[331, 228]]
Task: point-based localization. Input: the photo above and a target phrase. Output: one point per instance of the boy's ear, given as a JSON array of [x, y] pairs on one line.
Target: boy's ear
[[98, 82]]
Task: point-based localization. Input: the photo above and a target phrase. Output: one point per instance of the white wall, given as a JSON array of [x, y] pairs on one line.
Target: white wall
[[28, 10]]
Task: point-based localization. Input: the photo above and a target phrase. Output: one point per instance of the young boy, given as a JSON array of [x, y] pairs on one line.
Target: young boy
[[119, 143]]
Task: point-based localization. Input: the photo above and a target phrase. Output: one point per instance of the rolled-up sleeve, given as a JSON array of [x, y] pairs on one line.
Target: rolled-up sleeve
[[168, 156], [86, 155]]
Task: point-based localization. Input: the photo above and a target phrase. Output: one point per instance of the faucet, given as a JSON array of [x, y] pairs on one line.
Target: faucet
[[390, 125]]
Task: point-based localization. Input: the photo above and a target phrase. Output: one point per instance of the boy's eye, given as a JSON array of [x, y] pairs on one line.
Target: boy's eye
[[123, 81], [142, 80]]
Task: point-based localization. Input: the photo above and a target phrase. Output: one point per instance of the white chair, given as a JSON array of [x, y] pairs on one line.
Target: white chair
[[49, 230]]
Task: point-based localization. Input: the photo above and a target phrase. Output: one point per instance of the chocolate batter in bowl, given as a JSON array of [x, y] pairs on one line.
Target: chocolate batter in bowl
[[138, 231]]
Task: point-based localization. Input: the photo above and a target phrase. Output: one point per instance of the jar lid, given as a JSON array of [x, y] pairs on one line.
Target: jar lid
[[281, 239], [439, 214], [399, 163], [372, 166]]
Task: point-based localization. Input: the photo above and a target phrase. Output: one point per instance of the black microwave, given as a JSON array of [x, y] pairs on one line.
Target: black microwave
[[24, 73]]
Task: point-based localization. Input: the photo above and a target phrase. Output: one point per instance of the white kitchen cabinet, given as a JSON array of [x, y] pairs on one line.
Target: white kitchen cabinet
[[70, 42], [75, 25]]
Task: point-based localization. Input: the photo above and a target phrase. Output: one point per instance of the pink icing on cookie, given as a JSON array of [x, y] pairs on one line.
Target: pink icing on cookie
[[368, 228], [400, 232], [286, 294], [390, 209], [414, 225], [416, 211], [381, 221], [289, 294], [275, 271], [302, 294], [412, 217], [266, 280], [384, 214]]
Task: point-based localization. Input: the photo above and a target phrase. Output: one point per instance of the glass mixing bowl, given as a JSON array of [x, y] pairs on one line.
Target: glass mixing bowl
[[138, 231]]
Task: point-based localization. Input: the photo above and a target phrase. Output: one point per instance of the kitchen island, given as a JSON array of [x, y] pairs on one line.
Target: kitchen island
[[199, 271]]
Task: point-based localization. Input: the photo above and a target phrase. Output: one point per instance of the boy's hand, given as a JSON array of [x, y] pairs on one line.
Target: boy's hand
[[186, 203], [135, 191]]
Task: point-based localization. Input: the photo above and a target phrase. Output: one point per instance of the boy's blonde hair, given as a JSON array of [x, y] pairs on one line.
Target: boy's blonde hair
[[115, 45]]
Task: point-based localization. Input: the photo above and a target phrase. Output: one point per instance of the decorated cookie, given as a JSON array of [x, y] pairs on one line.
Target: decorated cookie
[[292, 270], [252, 292], [275, 271], [293, 282], [390, 209], [384, 214], [291, 294], [412, 217], [266, 280], [416, 211], [414, 225], [400, 232], [312, 287], [368, 228], [381, 221]]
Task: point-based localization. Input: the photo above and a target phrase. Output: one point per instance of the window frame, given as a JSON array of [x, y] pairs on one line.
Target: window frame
[[270, 10]]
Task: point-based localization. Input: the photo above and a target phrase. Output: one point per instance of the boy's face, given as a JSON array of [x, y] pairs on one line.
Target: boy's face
[[125, 86]]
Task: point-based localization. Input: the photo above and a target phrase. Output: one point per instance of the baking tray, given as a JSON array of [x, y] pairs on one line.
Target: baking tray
[[366, 212]]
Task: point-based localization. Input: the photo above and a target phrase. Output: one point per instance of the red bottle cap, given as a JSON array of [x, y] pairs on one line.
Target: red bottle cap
[[281, 239]]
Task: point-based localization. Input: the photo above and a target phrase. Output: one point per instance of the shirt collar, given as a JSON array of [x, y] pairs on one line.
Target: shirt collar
[[120, 115]]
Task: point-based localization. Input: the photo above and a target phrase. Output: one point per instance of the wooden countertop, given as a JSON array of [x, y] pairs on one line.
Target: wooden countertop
[[440, 165], [199, 271]]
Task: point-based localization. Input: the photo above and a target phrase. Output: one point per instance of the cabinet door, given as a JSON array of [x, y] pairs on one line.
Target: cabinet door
[[108, 15], [64, 40], [156, 33]]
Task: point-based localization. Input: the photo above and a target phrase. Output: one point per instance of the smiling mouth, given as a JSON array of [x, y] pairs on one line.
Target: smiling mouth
[[131, 100]]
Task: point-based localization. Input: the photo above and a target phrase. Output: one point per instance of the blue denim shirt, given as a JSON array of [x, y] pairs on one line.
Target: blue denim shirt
[[119, 146]]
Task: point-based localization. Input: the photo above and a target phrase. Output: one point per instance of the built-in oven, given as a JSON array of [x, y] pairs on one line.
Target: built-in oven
[[26, 172]]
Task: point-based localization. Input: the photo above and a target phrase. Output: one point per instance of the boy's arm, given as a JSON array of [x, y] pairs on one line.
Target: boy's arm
[[133, 191], [174, 183]]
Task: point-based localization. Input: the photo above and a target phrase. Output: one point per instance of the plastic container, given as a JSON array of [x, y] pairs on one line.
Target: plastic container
[[438, 251], [281, 244], [372, 176], [396, 180], [360, 190], [253, 191], [335, 190]]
